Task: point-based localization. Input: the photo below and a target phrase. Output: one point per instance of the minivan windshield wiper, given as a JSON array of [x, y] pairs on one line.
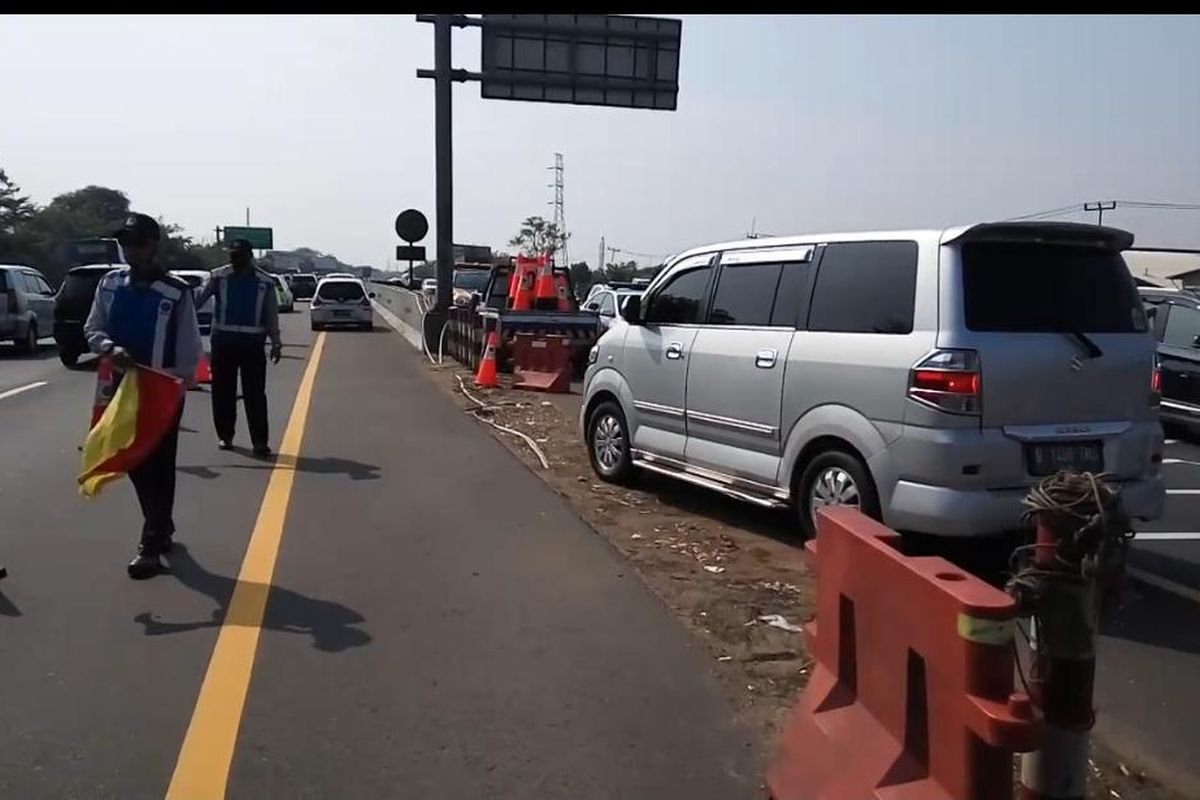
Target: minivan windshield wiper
[[1089, 347]]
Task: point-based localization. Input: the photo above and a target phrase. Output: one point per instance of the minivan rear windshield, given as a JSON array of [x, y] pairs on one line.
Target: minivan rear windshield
[[1045, 288], [80, 287], [341, 292]]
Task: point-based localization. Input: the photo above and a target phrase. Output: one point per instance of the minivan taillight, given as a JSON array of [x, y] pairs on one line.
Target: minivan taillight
[[948, 380], [1156, 383]]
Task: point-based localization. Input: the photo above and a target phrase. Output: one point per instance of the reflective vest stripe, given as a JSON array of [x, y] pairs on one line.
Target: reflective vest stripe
[[221, 326], [160, 328]]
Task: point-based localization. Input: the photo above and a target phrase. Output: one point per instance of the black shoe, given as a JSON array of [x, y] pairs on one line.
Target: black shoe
[[262, 450], [168, 544], [224, 444], [146, 564]]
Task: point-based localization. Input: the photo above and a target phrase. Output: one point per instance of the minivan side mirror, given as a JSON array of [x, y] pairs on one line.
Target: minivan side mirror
[[371, 295], [632, 310]]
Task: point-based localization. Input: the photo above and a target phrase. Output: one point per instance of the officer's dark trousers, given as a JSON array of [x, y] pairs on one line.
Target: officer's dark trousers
[[251, 361], [154, 482]]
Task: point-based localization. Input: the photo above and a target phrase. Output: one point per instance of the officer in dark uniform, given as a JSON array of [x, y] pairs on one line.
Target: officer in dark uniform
[[142, 315], [246, 313]]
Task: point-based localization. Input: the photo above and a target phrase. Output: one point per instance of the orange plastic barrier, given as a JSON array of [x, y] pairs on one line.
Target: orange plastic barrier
[[542, 362], [911, 693]]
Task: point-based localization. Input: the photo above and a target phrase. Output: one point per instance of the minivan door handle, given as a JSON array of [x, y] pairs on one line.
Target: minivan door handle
[[675, 350], [765, 359]]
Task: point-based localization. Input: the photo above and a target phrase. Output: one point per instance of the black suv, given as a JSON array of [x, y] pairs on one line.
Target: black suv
[[303, 285], [71, 307], [1175, 314]]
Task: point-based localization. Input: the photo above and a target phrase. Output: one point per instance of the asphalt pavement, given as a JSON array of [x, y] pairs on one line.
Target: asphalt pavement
[[1148, 663], [393, 607]]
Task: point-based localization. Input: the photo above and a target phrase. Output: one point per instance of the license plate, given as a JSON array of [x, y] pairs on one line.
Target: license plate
[[1047, 459], [341, 313]]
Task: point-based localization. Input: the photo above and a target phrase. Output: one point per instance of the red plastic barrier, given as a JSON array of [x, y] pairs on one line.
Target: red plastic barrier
[[911, 693], [542, 362]]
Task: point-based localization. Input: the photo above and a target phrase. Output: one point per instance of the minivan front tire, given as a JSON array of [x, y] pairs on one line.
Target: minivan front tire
[[834, 477], [29, 344], [608, 443]]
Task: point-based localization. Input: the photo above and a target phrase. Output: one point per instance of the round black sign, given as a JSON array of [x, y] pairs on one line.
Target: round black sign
[[411, 225]]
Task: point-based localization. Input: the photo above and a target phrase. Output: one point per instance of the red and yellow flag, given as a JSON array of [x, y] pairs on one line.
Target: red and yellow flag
[[133, 422]]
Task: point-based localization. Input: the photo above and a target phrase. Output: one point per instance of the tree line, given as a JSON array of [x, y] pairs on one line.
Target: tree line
[[36, 235]]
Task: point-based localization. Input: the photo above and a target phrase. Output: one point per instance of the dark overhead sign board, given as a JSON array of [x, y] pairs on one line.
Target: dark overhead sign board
[[585, 59]]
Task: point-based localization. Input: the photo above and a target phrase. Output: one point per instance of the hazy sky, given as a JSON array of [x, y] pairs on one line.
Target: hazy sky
[[804, 124]]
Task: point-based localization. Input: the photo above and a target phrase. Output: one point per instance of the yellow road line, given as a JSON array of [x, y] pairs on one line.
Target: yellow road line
[[202, 771]]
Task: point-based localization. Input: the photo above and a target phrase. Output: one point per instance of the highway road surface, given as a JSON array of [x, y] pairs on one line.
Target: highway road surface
[[393, 608]]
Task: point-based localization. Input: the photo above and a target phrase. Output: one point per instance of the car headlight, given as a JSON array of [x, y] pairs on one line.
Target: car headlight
[[593, 354]]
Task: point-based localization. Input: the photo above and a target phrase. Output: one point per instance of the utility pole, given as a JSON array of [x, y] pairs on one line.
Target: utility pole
[[600, 266], [1100, 206], [560, 216]]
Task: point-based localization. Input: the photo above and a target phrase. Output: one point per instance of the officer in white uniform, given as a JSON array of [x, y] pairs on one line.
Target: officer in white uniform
[[142, 315]]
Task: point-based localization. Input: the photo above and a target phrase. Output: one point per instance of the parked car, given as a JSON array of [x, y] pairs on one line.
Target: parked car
[[198, 279], [1175, 315], [303, 285], [72, 304], [608, 302], [928, 378], [283, 294], [341, 301], [26, 306]]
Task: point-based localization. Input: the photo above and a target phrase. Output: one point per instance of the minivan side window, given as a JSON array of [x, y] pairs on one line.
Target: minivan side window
[[1183, 326], [745, 294], [865, 287], [607, 305], [679, 300]]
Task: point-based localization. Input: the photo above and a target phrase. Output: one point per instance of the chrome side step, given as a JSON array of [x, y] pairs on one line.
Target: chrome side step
[[648, 462]]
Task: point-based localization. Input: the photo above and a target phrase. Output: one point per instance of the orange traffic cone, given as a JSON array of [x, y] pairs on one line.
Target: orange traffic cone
[[545, 295], [203, 370], [520, 288], [486, 376], [560, 283]]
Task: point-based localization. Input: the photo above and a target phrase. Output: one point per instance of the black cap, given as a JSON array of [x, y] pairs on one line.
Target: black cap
[[138, 228], [239, 246]]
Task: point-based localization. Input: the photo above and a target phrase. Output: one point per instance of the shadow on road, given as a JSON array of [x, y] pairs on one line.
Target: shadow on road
[[326, 465], [1154, 616], [7, 607], [331, 625]]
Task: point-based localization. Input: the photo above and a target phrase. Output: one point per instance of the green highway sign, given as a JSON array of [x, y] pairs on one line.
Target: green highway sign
[[259, 238]]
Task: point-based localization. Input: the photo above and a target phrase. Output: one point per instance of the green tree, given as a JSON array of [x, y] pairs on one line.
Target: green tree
[[537, 236], [624, 271], [16, 211], [581, 278]]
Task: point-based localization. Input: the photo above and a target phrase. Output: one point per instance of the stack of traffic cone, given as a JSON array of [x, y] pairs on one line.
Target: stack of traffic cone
[[521, 285], [560, 283], [486, 376], [203, 370], [545, 295]]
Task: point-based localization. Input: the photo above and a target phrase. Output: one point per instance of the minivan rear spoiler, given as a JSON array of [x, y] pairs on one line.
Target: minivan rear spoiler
[[1076, 234]]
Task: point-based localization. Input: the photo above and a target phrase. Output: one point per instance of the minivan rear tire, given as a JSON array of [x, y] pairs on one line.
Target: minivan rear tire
[[825, 472], [608, 443], [29, 344]]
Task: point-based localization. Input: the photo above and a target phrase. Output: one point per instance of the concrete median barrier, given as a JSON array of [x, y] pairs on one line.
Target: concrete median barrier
[[401, 309]]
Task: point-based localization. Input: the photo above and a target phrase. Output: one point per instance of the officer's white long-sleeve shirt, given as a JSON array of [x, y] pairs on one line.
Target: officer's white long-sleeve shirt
[[188, 345]]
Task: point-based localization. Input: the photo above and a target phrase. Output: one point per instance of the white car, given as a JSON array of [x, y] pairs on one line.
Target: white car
[[609, 302], [341, 301], [198, 279], [341, 275]]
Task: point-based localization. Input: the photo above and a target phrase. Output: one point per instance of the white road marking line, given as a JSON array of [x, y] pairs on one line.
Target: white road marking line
[[1170, 441], [1186, 592], [19, 389], [1183, 491], [1157, 536], [1180, 461]]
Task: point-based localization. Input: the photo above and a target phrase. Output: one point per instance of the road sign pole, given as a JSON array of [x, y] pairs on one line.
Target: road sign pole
[[443, 81]]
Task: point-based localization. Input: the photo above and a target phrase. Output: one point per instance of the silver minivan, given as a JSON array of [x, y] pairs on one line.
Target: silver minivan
[[26, 306], [927, 377]]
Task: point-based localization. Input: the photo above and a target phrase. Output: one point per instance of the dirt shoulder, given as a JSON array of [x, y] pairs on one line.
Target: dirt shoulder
[[720, 566]]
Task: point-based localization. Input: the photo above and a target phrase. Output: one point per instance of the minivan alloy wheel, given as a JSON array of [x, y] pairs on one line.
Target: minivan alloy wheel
[[833, 487], [608, 442]]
